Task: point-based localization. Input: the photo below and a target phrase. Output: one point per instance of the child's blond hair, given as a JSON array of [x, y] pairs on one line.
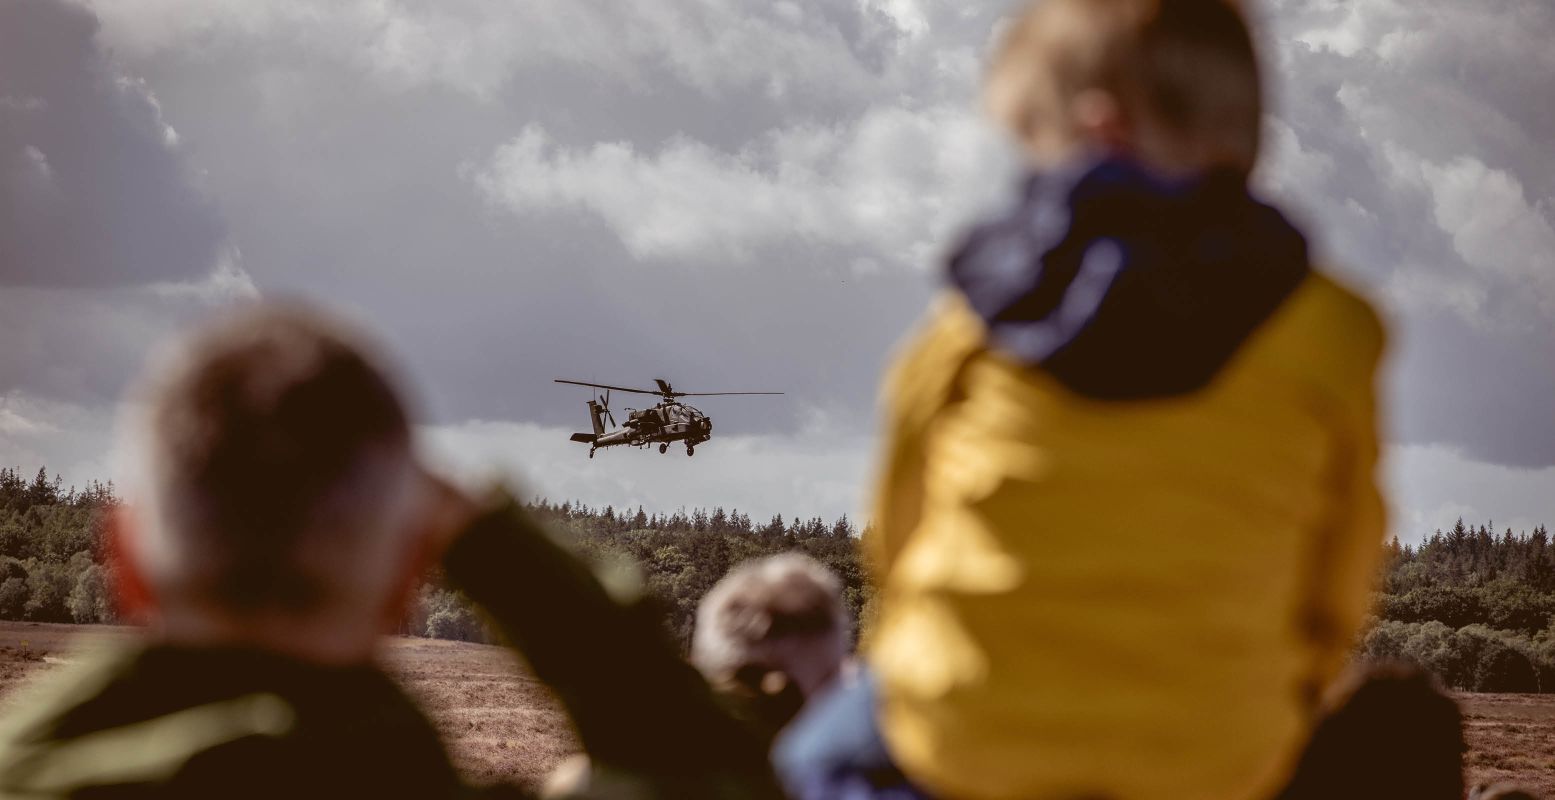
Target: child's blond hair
[[1182, 73]]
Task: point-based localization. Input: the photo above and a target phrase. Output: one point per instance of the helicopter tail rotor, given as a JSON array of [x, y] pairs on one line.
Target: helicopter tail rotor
[[604, 406]]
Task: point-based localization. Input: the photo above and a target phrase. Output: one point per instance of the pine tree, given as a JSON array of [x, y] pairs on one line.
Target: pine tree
[[43, 492]]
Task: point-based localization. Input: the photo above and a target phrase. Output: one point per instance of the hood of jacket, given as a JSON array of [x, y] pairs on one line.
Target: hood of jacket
[[1124, 284]]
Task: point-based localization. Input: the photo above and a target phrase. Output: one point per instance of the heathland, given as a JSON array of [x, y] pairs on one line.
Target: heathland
[[1474, 606]]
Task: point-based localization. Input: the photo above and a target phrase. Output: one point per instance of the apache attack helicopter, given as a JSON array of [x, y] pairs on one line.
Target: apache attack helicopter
[[669, 421]]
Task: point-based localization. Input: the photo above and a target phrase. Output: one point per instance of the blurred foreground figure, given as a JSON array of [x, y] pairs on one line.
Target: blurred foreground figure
[[771, 635], [280, 521], [1390, 731], [1127, 524]]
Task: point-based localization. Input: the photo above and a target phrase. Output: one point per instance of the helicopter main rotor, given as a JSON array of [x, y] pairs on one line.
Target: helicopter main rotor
[[665, 390], [669, 421]]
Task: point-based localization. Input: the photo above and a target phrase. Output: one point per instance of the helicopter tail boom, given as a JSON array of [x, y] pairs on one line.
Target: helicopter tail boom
[[597, 411]]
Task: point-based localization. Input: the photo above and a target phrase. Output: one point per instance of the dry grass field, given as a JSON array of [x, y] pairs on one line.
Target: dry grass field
[[502, 725], [1511, 738], [499, 723]]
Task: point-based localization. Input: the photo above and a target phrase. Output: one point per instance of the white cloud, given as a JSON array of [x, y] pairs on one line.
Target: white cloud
[[67, 438], [1430, 486], [94, 190], [893, 182], [1289, 168], [1344, 28], [227, 282], [1421, 115], [1506, 241], [1492, 224], [909, 16], [39, 164], [1423, 290], [818, 471], [755, 125], [82, 345], [474, 47]]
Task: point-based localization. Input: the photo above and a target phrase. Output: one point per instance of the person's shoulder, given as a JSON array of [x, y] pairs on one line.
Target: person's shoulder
[[949, 325], [948, 332], [1329, 328], [46, 701], [1351, 315]]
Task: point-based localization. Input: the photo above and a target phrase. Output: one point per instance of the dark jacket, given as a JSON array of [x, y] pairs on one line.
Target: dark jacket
[[162, 721]]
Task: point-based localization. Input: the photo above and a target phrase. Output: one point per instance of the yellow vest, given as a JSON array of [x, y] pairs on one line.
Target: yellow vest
[[1135, 599]]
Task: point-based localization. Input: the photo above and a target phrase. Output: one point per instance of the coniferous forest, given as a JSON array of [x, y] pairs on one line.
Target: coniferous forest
[[1475, 606]]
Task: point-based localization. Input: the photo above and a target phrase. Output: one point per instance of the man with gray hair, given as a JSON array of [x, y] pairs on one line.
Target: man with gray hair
[[770, 635], [278, 520]]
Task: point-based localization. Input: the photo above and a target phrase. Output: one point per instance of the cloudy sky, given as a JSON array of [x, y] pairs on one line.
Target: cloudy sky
[[731, 194]]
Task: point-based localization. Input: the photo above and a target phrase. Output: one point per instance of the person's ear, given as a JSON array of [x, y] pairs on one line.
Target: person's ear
[[1098, 116], [132, 595]]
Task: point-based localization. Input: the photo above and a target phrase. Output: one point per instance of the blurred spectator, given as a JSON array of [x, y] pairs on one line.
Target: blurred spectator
[[280, 518], [770, 635], [1391, 731], [1127, 522]]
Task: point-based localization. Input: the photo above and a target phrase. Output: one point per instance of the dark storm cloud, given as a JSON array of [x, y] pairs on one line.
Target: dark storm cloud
[[92, 189], [1412, 140], [355, 182], [754, 194]]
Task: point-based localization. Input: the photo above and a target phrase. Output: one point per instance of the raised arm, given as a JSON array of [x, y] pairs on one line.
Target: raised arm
[[637, 706]]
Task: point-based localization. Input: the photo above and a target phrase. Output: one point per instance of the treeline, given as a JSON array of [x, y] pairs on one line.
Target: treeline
[[51, 549], [53, 566], [1475, 607], [680, 556]]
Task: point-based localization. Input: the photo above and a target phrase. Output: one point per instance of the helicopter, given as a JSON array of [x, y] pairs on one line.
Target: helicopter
[[668, 421]]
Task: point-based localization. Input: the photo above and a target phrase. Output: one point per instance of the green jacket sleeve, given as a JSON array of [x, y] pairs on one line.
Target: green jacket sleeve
[[637, 706]]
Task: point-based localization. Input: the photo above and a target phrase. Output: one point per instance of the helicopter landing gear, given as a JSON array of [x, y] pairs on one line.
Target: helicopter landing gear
[[664, 448], [690, 451], [591, 452]]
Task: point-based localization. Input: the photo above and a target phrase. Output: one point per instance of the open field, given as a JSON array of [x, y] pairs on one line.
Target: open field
[[1511, 738], [502, 725]]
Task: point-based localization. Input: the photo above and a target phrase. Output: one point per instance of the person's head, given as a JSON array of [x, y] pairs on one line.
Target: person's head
[[1173, 83], [275, 499], [771, 621]]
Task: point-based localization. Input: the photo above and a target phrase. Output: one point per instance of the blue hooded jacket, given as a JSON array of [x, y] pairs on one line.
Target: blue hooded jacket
[[1124, 284]]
